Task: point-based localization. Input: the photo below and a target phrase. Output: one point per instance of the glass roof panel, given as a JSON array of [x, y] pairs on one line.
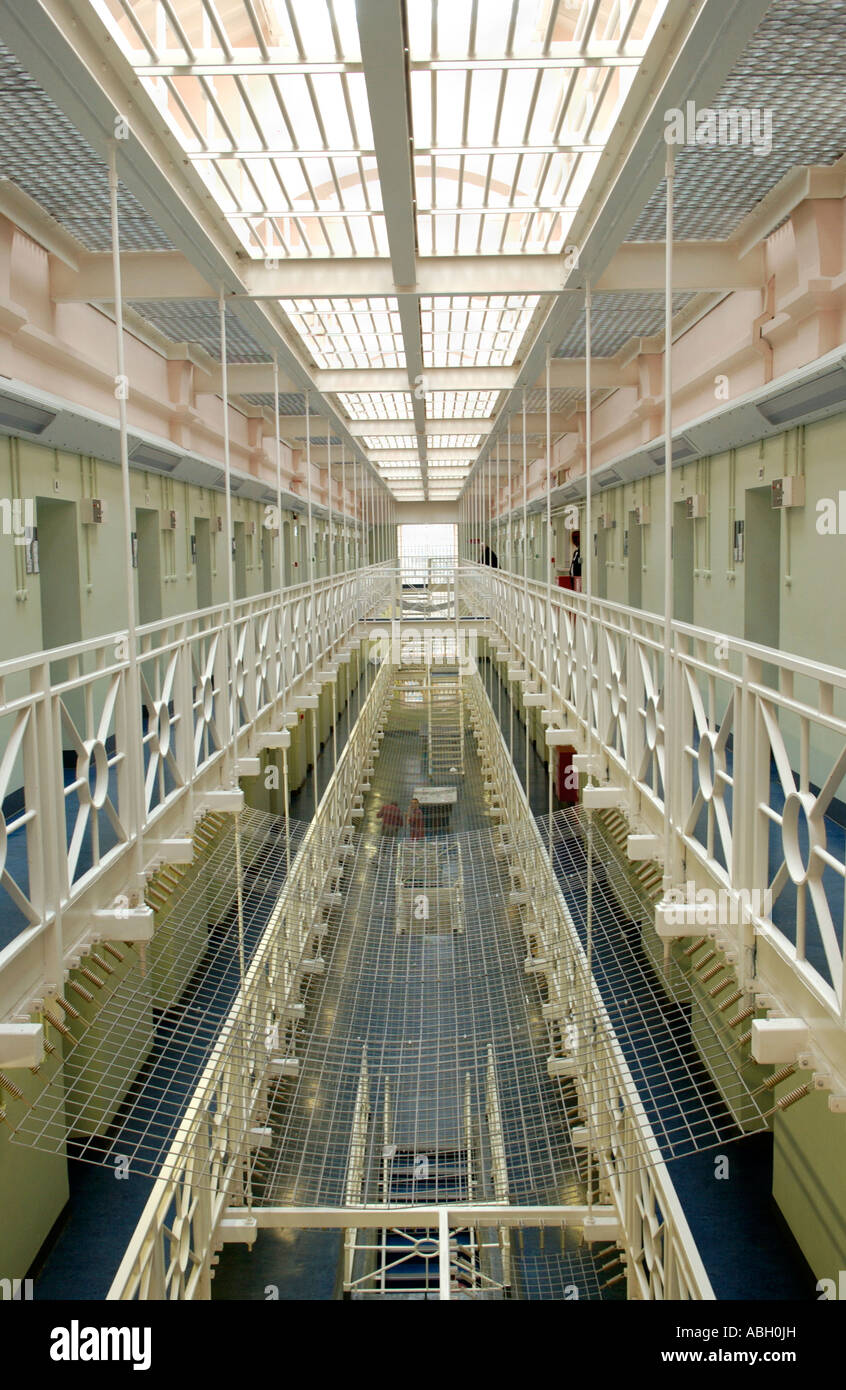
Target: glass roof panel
[[349, 332], [376, 405], [452, 405], [278, 30], [461, 29], [511, 103], [389, 441], [453, 441], [268, 101], [474, 330]]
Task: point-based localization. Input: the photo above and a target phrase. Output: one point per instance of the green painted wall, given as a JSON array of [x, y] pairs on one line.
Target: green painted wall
[[736, 598], [99, 1067], [31, 471], [809, 1177], [33, 1185]]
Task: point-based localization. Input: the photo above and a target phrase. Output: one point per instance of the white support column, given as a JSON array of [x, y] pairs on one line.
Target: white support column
[[315, 713], [135, 764], [587, 570], [357, 513], [525, 662], [669, 731], [489, 502], [551, 755], [443, 1254], [331, 583], [281, 561], [510, 508], [497, 505], [377, 547], [231, 703]]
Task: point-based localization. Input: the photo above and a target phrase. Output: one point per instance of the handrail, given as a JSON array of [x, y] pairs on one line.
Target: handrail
[[662, 1259], [199, 698], [759, 750], [169, 1254]]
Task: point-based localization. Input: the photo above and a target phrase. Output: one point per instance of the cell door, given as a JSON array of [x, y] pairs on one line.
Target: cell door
[[203, 563], [762, 577], [240, 560], [268, 541], [635, 562], [682, 563], [149, 571]]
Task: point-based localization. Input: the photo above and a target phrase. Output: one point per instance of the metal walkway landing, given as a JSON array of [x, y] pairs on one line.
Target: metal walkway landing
[[682, 1106], [438, 1019]]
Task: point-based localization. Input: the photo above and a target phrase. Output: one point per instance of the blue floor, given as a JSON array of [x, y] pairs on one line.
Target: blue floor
[[747, 1250], [85, 1247], [743, 1240]]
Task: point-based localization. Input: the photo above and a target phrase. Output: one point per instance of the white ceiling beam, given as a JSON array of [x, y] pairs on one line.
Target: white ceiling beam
[[705, 265], [597, 57], [383, 53], [144, 275], [68, 51], [407, 428], [692, 50], [559, 421], [379, 456], [214, 154], [429, 379], [697, 265], [253, 378], [568, 374], [294, 427], [353, 276]]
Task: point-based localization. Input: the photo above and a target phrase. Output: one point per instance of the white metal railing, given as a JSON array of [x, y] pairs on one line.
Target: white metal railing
[[205, 1171], [72, 838], [757, 753], [662, 1259]]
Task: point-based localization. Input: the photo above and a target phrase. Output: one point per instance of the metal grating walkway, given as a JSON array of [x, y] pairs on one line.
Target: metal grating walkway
[[437, 1013]]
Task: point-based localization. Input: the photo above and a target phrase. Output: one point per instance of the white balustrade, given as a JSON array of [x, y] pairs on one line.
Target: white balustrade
[[662, 1259], [205, 1170], [68, 834], [758, 754]]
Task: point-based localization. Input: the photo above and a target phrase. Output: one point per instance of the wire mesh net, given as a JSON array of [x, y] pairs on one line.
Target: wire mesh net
[[422, 1054], [130, 1062], [529, 1263]]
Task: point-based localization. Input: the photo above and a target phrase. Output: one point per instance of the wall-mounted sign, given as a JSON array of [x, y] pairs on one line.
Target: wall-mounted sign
[[31, 550]]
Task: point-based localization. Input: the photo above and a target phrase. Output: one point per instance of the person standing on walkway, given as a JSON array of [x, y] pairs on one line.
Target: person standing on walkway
[[576, 562], [414, 820], [391, 817]]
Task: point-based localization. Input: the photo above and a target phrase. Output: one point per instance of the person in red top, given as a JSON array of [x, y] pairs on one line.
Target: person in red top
[[414, 820], [391, 817]]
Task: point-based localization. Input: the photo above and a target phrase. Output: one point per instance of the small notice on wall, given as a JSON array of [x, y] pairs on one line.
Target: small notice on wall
[[738, 542]]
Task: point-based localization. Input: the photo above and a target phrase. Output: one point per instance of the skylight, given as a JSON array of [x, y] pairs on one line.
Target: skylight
[[349, 332], [474, 330], [510, 105], [458, 405], [376, 405]]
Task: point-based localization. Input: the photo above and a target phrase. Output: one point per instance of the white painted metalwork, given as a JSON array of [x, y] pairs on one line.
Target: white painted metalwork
[[662, 1259], [208, 1166], [78, 840], [205, 1193], [741, 709]]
